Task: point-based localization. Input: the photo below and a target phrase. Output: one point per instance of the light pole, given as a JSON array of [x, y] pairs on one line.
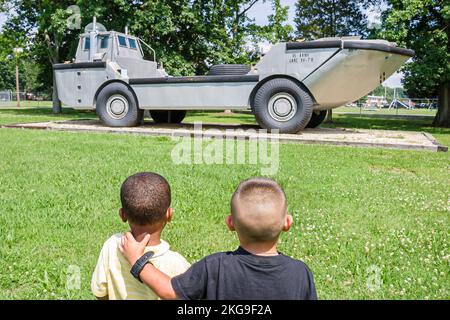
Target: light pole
[[17, 51]]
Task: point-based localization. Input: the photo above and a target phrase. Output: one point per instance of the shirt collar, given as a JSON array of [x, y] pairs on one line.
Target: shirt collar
[[242, 251], [159, 249], [243, 254]]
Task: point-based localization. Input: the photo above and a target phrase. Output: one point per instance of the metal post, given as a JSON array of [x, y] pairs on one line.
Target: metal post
[[56, 103], [17, 84], [395, 99], [93, 40], [17, 51]]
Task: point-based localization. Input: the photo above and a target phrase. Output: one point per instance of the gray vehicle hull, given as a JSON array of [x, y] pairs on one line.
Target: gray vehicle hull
[[287, 90], [333, 73]]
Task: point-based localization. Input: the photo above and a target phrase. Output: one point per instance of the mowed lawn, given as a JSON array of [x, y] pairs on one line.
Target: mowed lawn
[[370, 223]]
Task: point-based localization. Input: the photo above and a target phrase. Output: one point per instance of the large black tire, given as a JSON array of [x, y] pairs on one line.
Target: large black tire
[[317, 118], [172, 116], [117, 107], [281, 104], [229, 69]]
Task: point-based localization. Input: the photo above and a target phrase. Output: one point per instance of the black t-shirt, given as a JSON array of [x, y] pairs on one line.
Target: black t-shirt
[[240, 275]]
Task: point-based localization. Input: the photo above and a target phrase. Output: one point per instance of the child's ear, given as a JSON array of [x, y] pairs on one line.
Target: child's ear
[[229, 222], [122, 215], [169, 214], [288, 220]]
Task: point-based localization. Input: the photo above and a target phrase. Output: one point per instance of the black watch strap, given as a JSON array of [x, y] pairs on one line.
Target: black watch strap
[[140, 264]]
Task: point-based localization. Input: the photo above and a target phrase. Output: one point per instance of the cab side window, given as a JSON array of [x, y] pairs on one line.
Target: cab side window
[[87, 43], [122, 41], [104, 40], [132, 43]]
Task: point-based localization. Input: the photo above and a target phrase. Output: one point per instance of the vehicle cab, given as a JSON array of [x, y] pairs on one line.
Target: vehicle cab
[[99, 45]]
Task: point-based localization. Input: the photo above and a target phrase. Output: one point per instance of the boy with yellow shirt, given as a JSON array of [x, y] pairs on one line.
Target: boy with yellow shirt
[[146, 207]]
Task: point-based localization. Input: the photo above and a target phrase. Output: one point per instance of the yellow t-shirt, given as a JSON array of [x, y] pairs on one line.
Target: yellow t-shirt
[[112, 275]]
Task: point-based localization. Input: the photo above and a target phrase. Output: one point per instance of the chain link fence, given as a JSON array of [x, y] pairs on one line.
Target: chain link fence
[[380, 105], [10, 99]]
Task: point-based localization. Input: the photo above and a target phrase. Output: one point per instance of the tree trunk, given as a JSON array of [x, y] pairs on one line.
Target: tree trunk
[[442, 118], [329, 118], [56, 103], [53, 52]]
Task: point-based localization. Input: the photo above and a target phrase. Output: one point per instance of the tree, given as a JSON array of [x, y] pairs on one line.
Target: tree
[[28, 68], [330, 18], [30, 76], [44, 24], [7, 75], [277, 29], [237, 11], [389, 92], [423, 25], [281, 31]]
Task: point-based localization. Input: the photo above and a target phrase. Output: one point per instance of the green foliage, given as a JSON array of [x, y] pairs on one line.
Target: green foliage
[[324, 18], [422, 25], [277, 23], [8, 75], [389, 92], [28, 70], [277, 28]]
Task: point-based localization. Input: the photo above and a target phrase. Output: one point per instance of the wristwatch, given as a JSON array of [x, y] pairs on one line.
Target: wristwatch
[[140, 264]]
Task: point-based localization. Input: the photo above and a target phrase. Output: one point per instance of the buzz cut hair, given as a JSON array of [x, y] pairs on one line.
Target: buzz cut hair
[[145, 198], [258, 209]]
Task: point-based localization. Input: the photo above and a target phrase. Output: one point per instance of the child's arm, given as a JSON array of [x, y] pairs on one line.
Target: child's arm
[[158, 281]]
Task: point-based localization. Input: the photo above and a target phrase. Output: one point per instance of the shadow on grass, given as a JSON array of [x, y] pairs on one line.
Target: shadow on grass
[[220, 115], [367, 122], [68, 112], [48, 112]]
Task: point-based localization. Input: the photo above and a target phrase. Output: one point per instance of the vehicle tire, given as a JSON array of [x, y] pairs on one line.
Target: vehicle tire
[[283, 105], [229, 69], [117, 107], [317, 118], [172, 116]]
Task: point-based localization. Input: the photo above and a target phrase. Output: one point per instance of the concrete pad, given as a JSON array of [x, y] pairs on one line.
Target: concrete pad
[[405, 140]]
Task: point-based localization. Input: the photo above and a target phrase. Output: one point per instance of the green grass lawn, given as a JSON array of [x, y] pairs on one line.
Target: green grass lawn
[[40, 114], [355, 209], [386, 111]]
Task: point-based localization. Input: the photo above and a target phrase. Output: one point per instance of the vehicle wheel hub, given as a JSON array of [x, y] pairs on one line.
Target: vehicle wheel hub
[[282, 107], [117, 106]]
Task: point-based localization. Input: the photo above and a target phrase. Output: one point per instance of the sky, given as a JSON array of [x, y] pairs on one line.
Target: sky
[[261, 10], [2, 19]]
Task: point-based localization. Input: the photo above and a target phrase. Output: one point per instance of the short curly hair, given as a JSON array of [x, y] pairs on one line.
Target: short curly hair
[[145, 198]]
